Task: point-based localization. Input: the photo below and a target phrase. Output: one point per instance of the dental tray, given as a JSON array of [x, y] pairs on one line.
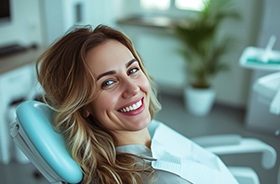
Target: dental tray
[[252, 58]]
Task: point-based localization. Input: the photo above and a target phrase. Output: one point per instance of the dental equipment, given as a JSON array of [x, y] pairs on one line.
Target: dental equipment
[[269, 85], [261, 59]]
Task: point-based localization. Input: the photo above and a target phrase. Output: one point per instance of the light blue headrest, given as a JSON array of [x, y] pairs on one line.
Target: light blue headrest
[[36, 120]]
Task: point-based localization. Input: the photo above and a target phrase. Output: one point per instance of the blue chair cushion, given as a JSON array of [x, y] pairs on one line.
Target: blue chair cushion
[[36, 120]]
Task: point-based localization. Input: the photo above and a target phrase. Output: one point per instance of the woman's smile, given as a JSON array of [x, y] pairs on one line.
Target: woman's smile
[[133, 108]]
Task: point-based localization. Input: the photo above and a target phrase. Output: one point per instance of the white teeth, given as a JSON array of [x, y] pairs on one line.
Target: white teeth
[[132, 107]]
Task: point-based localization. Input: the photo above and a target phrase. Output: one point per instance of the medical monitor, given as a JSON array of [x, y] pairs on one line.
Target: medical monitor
[[5, 11]]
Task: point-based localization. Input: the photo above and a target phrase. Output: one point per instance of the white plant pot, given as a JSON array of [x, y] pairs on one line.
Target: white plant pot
[[199, 102]]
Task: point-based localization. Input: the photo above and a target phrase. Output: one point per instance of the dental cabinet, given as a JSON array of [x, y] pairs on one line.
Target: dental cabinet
[[17, 80]]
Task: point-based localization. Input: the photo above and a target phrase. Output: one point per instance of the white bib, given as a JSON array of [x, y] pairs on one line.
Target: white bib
[[179, 155]]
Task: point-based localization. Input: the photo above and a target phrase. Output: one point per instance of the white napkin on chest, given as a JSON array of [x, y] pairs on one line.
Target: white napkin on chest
[[179, 155]]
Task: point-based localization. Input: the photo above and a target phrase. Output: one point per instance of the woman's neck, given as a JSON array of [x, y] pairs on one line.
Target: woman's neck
[[133, 137]]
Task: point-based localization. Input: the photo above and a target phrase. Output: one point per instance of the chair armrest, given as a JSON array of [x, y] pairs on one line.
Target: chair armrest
[[218, 140], [234, 144], [244, 175]]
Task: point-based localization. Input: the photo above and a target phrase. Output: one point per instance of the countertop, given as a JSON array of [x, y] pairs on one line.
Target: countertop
[[16, 60], [153, 21]]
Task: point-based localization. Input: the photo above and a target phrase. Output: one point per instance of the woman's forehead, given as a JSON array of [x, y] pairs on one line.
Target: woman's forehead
[[109, 55]]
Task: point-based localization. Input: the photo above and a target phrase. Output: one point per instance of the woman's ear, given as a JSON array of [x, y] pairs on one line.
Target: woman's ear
[[85, 113]]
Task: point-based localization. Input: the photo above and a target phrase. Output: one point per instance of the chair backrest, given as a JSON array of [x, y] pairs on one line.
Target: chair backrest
[[34, 134]]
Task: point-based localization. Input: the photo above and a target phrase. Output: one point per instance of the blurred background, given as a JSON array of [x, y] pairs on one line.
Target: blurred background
[[28, 27]]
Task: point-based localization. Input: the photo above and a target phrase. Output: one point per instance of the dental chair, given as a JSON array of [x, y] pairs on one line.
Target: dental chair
[[33, 133], [236, 144]]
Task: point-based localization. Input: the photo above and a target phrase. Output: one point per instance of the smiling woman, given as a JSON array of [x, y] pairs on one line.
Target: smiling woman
[[103, 97], [122, 86], [104, 103]]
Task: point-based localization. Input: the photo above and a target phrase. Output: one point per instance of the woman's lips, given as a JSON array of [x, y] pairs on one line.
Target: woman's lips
[[133, 109]]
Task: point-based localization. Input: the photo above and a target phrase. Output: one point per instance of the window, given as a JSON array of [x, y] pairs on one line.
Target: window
[[195, 5], [155, 4]]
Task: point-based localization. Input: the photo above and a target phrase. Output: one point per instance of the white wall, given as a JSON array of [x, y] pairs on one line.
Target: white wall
[[28, 21], [233, 87], [58, 16], [105, 12], [25, 26], [155, 47]]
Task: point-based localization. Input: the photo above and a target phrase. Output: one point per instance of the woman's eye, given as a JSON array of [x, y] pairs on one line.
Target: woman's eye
[[133, 70], [107, 83]]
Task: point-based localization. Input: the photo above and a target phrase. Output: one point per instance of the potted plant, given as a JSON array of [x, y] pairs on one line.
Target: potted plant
[[203, 52]]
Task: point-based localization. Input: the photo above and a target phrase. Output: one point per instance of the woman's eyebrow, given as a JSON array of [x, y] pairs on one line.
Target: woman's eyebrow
[[130, 62], [111, 72]]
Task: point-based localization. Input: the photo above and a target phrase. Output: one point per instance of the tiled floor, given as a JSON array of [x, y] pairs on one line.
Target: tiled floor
[[221, 120]]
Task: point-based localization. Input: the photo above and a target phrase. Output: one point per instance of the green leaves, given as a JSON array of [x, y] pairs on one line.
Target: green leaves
[[201, 50]]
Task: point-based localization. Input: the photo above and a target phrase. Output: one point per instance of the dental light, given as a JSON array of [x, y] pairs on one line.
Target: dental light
[[268, 87]]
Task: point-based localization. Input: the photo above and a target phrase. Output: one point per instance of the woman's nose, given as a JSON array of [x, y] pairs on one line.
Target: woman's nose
[[130, 88]]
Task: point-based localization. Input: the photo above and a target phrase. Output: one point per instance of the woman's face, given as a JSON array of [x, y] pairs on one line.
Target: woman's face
[[122, 105]]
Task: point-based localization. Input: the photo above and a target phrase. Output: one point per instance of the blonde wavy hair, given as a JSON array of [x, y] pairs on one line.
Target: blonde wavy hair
[[69, 87]]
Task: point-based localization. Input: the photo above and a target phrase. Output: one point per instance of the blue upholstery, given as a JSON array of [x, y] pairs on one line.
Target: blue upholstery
[[36, 121]]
